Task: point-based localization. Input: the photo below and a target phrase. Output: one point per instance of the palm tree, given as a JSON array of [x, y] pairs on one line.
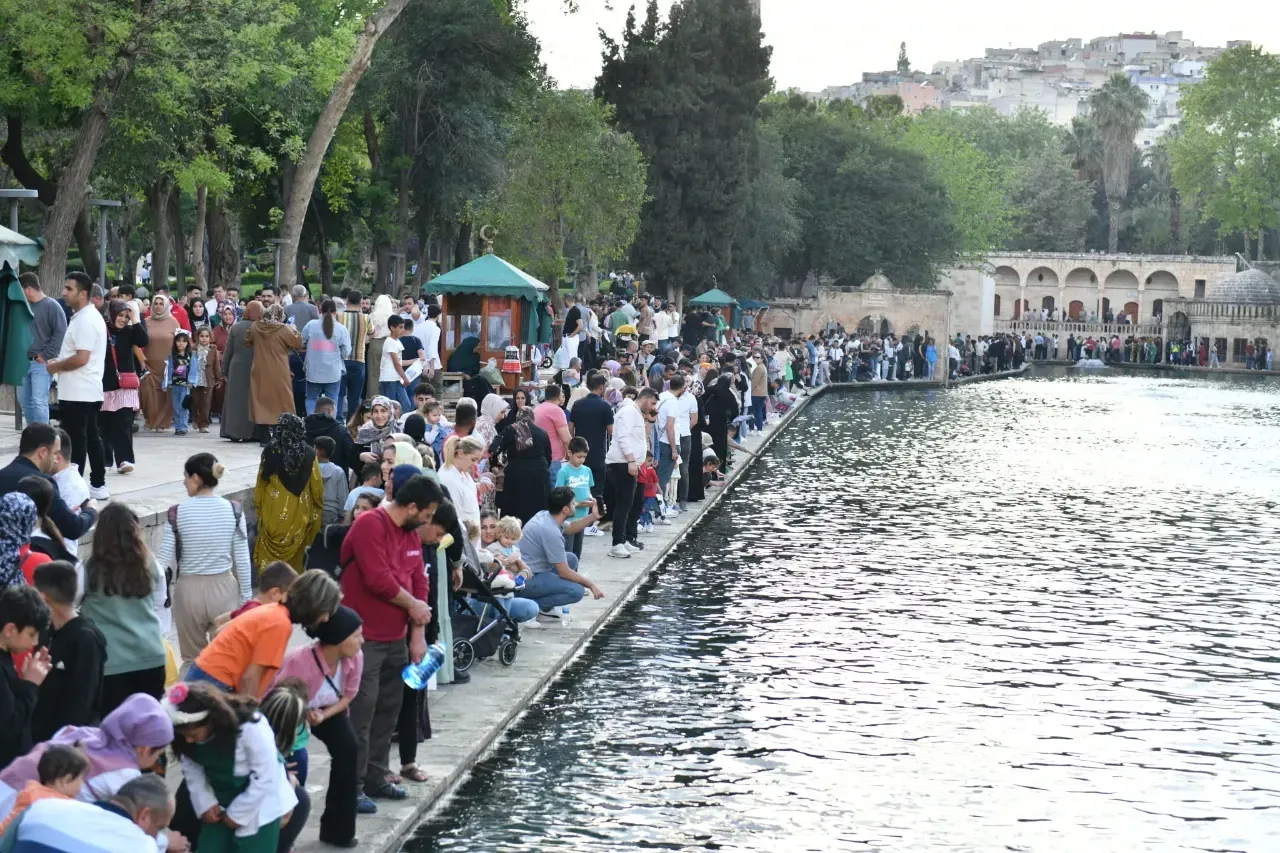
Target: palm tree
[[1119, 111]]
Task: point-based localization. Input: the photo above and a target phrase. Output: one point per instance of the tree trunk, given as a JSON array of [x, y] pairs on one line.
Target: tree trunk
[[158, 215], [1247, 242], [357, 256], [1175, 221], [74, 182], [335, 107], [197, 240], [1262, 242], [179, 242], [1113, 226], [384, 280], [585, 281], [87, 245], [462, 252], [326, 263], [224, 245], [423, 277]]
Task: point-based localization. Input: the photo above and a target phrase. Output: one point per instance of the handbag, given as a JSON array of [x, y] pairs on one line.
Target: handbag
[[127, 381]]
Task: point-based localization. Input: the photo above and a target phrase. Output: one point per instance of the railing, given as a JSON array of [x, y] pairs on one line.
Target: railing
[[1073, 327], [1229, 310]]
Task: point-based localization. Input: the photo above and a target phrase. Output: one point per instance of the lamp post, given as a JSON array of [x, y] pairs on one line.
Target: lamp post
[[14, 197], [102, 204]]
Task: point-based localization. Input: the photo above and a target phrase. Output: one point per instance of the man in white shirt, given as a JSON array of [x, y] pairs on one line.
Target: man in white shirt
[[626, 454], [661, 327], [429, 333], [677, 411], [78, 371]]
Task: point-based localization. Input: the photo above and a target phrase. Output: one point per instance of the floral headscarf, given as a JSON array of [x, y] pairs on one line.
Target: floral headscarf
[[17, 520], [288, 456], [274, 314]]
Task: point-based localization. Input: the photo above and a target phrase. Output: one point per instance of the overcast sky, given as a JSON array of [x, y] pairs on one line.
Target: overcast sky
[[820, 43]]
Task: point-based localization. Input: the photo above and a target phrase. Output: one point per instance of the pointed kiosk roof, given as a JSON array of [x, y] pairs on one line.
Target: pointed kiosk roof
[[714, 298], [489, 275]]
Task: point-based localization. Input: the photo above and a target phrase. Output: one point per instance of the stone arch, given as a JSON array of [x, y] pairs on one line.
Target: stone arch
[[1122, 280], [1081, 277], [1007, 277], [1157, 308], [875, 326], [1131, 309], [1161, 280], [1047, 302], [1042, 277]]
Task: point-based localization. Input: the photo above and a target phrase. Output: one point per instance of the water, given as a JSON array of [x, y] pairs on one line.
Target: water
[[1026, 615]]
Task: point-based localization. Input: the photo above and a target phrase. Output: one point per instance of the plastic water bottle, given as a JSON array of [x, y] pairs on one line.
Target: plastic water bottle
[[416, 675], [564, 617], [520, 581]]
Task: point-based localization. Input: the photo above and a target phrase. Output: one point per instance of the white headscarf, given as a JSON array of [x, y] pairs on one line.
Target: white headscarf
[[383, 308]]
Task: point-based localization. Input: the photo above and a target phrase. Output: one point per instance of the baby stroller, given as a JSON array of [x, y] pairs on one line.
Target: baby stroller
[[481, 625]]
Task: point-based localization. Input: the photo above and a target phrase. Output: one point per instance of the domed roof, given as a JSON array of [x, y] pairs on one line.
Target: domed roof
[[1251, 286]]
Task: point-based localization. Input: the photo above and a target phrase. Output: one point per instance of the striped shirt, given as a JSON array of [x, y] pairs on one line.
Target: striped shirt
[[212, 541], [357, 326]]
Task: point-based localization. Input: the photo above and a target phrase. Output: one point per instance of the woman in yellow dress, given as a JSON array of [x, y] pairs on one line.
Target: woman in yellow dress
[[289, 496]]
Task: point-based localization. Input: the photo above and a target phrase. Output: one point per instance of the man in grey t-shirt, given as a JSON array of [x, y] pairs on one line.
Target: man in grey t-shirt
[[47, 330], [555, 582], [302, 310]]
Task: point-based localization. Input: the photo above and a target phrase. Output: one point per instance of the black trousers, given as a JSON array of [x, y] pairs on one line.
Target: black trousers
[[338, 823], [119, 687], [80, 420], [628, 498], [117, 436]]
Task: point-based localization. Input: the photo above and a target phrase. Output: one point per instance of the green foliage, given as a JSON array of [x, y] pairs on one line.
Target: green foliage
[[1228, 155], [690, 92], [1118, 112], [904, 64], [1052, 206], [571, 176]]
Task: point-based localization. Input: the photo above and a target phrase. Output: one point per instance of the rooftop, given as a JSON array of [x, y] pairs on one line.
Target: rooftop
[[1248, 287]]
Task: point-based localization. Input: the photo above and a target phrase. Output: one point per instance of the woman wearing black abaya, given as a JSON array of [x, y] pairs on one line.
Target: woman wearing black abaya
[[527, 471], [721, 409]]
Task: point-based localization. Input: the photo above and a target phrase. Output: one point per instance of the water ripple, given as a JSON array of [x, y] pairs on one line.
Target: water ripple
[[1034, 615]]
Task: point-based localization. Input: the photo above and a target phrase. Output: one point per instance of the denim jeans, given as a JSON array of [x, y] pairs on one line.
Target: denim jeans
[[550, 591], [353, 380], [519, 609], [758, 411], [554, 472], [181, 416], [332, 390], [33, 396], [682, 487], [666, 465], [395, 391]]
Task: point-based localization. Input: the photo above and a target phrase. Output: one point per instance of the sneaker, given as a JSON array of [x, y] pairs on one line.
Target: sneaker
[[532, 623], [635, 545], [549, 613], [672, 512], [179, 432], [99, 493], [125, 468], [619, 551], [364, 805], [593, 530], [203, 429], [663, 520]]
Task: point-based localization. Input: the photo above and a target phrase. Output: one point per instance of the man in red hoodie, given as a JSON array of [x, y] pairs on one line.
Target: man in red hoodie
[[384, 580]]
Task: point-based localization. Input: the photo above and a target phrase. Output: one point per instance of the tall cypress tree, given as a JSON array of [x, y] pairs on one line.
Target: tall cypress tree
[[690, 93]]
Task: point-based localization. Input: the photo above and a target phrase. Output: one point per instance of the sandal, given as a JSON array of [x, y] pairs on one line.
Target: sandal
[[414, 773]]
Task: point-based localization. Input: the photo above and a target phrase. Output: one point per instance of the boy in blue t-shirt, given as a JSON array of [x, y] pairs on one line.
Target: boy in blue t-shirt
[[576, 475]]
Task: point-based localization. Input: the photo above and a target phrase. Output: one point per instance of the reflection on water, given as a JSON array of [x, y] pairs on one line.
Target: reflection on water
[[1029, 615]]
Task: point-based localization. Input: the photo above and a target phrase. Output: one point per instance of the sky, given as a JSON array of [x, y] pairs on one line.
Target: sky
[[820, 43]]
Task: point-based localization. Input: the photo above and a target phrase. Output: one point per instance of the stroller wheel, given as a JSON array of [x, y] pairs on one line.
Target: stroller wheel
[[507, 652], [464, 654]]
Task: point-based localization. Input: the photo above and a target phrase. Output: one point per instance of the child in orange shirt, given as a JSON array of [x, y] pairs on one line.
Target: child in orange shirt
[[648, 478], [61, 774]]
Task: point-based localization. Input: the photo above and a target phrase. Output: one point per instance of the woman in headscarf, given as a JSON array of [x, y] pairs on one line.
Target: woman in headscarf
[[289, 496], [525, 451], [157, 404], [17, 521], [237, 370], [492, 410], [465, 359], [377, 431], [120, 385], [720, 409], [129, 741], [382, 310], [519, 400], [696, 489], [271, 382], [221, 335]]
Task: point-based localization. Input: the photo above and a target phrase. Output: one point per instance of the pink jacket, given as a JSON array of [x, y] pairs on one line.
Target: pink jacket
[[301, 663]]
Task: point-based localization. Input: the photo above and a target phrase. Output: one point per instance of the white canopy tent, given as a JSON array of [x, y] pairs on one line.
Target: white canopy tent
[[14, 247]]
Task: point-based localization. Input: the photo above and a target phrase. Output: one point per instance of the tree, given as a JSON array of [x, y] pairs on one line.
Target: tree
[[1228, 154], [1118, 110], [307, 170], [1051, 206], [571, 178], [904, 64], [690, 93]]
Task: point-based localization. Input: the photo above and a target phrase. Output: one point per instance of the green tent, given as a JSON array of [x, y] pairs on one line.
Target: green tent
[[715, 298], [490, 275]]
